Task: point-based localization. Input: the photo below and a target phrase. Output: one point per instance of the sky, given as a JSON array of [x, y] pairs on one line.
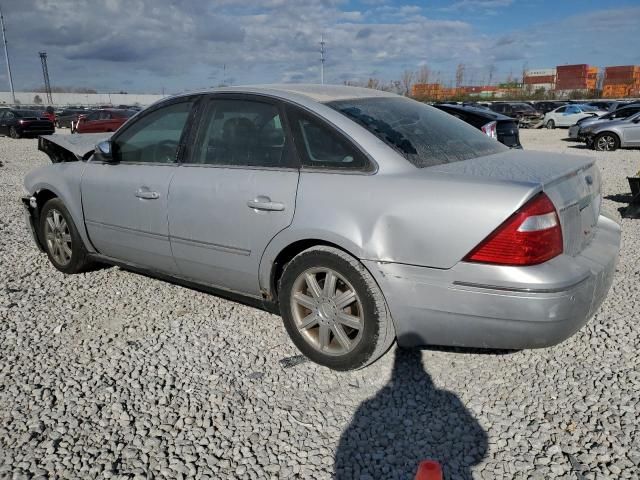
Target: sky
[[155, 46]]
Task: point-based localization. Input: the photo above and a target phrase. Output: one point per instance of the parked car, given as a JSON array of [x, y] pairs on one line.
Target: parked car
[[49, 114], [546, 106], [523, 112], [568, 115], [22, 123], [70, 115], [576, 131], [360, 216], [608, 136], [106, 120], [502, 128], [608, 105]]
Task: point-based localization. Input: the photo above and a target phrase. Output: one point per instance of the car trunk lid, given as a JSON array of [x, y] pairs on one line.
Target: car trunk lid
[[571, 182]]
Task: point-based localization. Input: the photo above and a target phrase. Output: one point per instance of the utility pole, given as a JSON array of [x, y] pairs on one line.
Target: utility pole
[[45, 73], [6, 56], [322, 42]]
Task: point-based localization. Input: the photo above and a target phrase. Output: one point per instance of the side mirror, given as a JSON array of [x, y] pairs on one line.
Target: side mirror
[[104, 152], [636, 120]]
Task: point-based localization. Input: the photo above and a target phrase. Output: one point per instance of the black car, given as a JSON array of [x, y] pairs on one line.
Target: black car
[[523, 112], [501, 127], [546, 106], [22, 123], [69, 115]]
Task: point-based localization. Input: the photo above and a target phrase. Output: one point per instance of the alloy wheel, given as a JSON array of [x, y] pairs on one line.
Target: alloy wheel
[[58, 237], [606, 143], [327, 311]]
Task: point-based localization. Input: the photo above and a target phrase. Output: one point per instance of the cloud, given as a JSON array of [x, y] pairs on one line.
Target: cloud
[[148, 45]]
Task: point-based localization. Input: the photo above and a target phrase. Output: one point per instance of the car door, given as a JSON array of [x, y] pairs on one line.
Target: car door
[[570, 116], [631, 131], [87, 124], [125, 200], [235, 190]]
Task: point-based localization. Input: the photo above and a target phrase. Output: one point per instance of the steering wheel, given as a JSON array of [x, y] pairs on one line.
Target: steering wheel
[[165, 151]]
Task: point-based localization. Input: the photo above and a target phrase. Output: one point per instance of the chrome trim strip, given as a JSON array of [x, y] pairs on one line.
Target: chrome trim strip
[[520, 289]]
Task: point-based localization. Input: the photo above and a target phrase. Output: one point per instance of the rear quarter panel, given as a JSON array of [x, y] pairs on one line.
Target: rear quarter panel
[[427, 219]]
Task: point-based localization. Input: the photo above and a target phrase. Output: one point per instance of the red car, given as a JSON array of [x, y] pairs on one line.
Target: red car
[[105, 120], [49, 114]]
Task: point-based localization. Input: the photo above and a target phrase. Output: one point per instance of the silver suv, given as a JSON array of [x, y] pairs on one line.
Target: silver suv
[[607, 136]]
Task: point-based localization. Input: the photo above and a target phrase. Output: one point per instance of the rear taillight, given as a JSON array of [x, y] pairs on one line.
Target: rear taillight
[[490, 130], [530, 236]]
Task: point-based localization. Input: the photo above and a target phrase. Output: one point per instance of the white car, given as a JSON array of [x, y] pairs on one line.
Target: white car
[[568, 115]]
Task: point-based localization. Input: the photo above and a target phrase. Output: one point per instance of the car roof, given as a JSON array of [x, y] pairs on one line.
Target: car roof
[[317, 93]]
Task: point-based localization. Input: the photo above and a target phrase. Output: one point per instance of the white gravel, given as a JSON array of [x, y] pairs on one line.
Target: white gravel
[[111, 374]]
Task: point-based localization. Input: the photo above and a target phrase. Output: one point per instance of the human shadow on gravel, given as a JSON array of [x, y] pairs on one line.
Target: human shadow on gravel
[[410, 420]]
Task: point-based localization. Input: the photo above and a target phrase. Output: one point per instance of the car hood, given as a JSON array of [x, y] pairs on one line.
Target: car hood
[[64, 148], [604, 125]]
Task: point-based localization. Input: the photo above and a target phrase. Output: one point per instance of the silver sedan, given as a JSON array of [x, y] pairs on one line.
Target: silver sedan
[[360, 216]]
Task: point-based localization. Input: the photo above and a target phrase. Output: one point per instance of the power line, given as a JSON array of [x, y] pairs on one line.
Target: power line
[[6, 56]]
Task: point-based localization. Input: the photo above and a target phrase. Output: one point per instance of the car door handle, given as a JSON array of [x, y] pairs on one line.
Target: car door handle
[[265, 203], [147, 195]]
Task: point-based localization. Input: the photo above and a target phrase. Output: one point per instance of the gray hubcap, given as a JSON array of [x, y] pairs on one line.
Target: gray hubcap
[[327, 311], [58, 237], [606, 143]]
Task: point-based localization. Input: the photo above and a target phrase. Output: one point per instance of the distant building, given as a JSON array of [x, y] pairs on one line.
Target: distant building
[[539, 78]]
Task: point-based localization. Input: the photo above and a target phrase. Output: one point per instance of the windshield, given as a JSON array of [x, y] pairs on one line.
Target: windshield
[[26, 113], [424, 135]]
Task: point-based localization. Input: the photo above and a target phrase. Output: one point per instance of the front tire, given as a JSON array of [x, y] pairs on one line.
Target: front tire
[[60, 238], [14, 133], [606, 142], [333, 309], [551, 125]]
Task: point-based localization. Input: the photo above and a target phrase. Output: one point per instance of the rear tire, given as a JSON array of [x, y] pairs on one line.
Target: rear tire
[[550, 125], [61, 239], [343, 324], [606, 142], [14, 133]]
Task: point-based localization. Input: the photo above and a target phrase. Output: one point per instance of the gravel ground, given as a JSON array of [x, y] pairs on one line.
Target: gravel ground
[[111, 374]]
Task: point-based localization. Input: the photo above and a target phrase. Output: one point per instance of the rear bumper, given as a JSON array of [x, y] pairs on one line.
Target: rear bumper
[[485, 306]]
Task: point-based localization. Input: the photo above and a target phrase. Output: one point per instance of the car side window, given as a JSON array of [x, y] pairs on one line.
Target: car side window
[[237, 132], [93, 116], [321, 146], [154, 137], [572, 110], [9, 116], [561, 110]]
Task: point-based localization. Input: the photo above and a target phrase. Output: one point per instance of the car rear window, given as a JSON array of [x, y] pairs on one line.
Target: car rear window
[[424, 135]]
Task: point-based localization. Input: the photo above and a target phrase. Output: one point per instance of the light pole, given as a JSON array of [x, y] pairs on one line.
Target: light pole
[[322, 42], [6, 56]]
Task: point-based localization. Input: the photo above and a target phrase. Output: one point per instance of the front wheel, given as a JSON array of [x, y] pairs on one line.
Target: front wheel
[[333, 310], [606, 142], [14, 133], [60, 236], [551, 125]]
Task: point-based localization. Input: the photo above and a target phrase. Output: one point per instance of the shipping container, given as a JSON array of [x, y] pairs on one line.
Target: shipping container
[[536, 79], [540, 72], [616, 91]]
